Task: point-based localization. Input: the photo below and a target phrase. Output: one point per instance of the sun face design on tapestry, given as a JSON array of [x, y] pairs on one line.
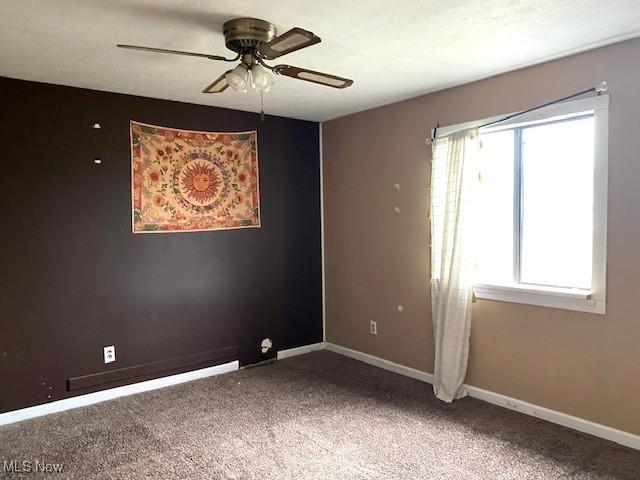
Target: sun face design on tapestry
[[200, 183], [184, 180]]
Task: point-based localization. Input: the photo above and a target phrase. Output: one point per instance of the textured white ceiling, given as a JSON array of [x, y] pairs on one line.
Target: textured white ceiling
[[393, 49]]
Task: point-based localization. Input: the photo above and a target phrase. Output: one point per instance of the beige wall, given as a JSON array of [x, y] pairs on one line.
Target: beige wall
[[581, 364]]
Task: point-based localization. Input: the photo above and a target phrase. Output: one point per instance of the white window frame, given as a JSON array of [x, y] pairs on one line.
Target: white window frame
[[594, 299]]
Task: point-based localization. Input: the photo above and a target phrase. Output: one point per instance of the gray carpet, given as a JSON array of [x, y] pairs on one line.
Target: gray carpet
[[317, 416]]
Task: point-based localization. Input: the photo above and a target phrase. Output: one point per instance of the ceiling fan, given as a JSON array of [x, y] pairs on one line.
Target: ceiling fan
[[256, 41]]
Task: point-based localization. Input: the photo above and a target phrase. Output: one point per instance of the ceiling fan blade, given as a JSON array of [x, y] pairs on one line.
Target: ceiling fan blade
[[175, 52], [288, 42], [311, 76], [220, 84]]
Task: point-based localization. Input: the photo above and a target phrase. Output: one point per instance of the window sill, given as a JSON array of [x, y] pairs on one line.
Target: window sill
[[564, 298]]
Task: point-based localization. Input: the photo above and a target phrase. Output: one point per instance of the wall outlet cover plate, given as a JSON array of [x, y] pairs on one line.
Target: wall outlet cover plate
[[109, 354]]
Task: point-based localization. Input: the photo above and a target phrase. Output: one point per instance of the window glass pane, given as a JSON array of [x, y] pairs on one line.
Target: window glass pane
[[495, 209], [557, 203]]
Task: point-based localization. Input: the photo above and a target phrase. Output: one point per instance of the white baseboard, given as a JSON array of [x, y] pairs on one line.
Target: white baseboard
[[618, 436], [580, 424], [292, 352], [104, 395], [381, 363]]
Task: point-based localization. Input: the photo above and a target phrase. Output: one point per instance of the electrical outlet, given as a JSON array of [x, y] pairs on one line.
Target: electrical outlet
[[373, 327], [109, 354]]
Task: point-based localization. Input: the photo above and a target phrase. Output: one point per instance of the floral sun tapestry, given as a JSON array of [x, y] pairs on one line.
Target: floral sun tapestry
[[187, 181]]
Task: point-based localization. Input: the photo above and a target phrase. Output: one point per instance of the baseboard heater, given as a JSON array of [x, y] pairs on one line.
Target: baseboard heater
[[200, 360]]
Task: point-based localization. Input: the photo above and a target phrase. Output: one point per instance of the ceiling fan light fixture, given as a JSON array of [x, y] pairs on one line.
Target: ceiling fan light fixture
[[261, 79], [238, 78]]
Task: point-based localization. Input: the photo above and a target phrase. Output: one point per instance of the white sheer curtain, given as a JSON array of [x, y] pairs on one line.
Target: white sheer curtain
[[453, 176]]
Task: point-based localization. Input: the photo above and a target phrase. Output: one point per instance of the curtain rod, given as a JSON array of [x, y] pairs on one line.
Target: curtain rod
[[598, 89]]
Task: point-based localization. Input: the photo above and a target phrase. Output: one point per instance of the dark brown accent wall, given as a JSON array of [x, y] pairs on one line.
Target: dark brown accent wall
[[74, 278]]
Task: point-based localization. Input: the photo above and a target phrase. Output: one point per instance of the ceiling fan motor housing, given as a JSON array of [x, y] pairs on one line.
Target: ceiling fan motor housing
[[245, 34]]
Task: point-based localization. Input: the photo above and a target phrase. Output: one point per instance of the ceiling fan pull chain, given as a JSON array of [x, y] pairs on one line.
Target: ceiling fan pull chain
[[261, 107]]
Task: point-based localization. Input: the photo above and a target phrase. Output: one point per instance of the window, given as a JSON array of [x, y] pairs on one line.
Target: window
[[541, 208]]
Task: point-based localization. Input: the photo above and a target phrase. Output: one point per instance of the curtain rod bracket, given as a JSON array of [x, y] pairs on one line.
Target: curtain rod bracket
[[434, 132], [601, 88]]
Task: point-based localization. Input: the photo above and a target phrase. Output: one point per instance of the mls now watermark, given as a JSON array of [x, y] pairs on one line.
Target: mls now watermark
[[27, 466]]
